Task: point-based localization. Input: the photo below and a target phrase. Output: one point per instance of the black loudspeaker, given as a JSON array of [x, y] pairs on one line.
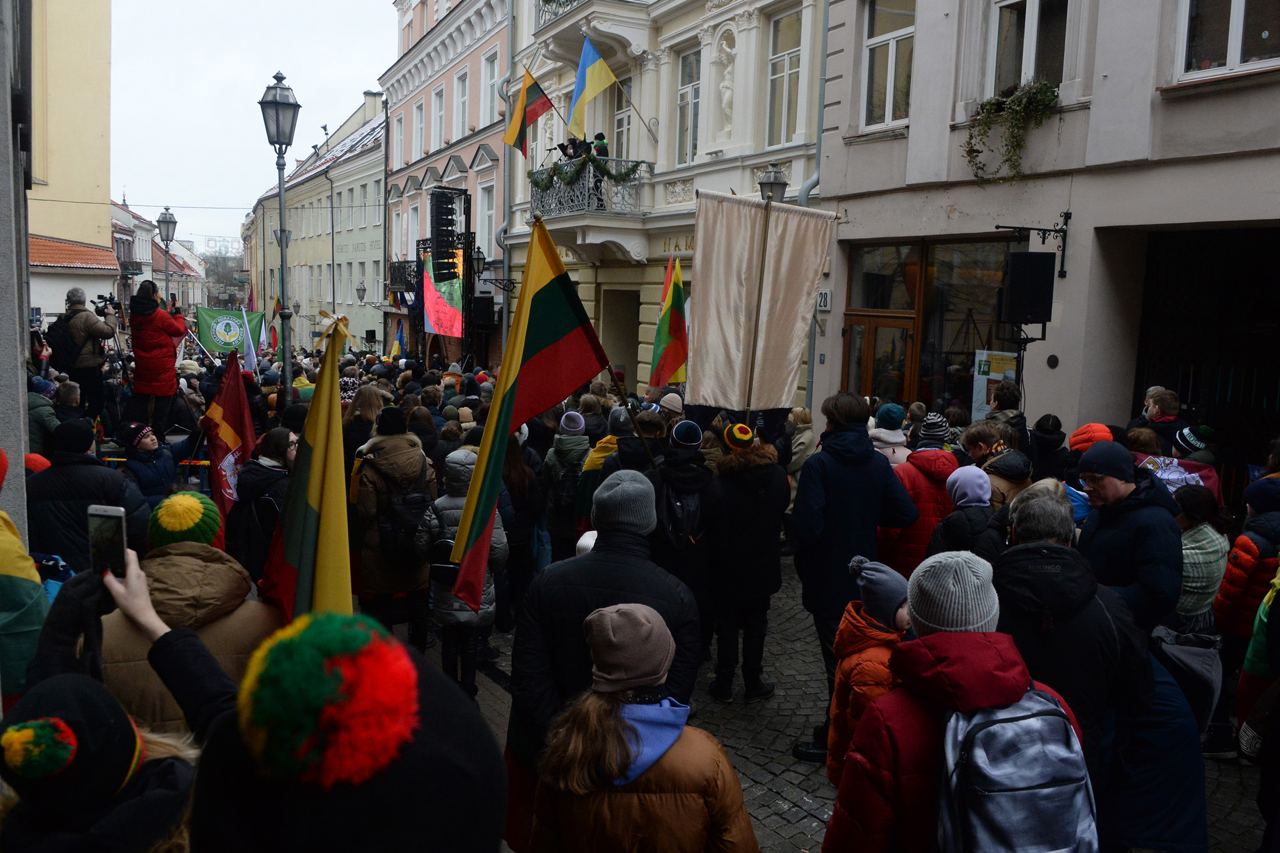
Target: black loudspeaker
[[482, 311], [370, 336], [1028, 291]]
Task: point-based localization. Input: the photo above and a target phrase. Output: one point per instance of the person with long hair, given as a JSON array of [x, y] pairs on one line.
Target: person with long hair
[[529, 502], [622, 769], [358, 421]]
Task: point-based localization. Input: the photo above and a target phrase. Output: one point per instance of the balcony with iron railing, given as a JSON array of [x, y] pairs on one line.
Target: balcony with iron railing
[[550, 10], [599, 186]]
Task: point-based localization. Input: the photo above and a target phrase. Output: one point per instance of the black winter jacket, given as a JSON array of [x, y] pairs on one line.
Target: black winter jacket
[[1078, 637], [847, 489], [550, 660], [754, 494], [631, 456], [992, 540], [1049, 458], [684, 472], [960, 530], [261, 491], [58, 501], [1135, 545]]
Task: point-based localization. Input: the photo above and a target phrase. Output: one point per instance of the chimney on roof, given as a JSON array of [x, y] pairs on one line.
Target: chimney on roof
[[372, 105]]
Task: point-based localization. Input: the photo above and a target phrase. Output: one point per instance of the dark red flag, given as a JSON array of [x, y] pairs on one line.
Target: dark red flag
[[229, 427]]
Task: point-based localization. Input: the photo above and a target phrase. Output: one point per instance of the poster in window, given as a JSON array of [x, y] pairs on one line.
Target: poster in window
[[990, 368]]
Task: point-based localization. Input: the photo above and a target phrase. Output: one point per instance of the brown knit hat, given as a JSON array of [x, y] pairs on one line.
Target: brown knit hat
[[630, 647]]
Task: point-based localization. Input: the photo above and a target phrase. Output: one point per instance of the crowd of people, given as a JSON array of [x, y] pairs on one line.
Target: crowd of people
[[1031, 639]]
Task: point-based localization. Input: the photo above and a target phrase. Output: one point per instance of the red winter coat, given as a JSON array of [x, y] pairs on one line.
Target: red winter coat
[[888, 796], [1251, 565], [924, 475], [155, 337], [862, 648]]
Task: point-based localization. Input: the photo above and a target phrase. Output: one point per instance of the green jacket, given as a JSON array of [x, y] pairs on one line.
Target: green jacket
[[41, 422]]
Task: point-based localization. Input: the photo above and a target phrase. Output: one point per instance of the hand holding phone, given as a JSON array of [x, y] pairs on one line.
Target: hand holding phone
[[107, 539]]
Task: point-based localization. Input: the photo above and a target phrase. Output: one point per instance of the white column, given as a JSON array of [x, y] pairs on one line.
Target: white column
[[808, 112], [706, 94], [665, 109], [750, 88], [644, 92]]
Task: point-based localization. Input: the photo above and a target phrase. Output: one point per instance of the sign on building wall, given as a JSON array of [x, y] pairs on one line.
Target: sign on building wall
[[990, 368]]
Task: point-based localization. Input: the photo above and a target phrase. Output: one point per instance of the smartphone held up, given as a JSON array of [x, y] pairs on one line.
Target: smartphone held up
[[107, 542]]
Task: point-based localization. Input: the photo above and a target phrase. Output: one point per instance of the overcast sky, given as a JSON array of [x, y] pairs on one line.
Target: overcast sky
[[185, 82]]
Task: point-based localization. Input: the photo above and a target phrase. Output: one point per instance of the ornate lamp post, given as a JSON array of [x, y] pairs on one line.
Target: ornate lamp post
[[773, 183], [168, 225], [280, 116]]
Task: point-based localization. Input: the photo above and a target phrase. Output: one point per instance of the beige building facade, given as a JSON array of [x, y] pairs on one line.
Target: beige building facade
[[1162, 145]]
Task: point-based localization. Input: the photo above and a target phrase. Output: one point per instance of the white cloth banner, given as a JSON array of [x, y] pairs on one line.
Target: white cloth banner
[[729, 233]]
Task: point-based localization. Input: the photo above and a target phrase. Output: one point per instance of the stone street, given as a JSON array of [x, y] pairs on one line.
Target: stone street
[[789, 800]]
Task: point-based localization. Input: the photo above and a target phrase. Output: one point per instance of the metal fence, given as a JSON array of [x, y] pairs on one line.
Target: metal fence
[[549, 10], [592, 193]]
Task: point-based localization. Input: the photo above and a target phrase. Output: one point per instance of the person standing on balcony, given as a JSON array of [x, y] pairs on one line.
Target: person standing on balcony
[[599, 148]]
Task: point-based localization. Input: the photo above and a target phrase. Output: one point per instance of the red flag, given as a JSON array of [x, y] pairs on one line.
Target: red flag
[[229, 427]]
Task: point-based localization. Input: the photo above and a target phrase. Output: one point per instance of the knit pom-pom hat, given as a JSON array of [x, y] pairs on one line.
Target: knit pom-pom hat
[[1088, 435], [328, 699], [185, 517], [39, 748], [739, 436]]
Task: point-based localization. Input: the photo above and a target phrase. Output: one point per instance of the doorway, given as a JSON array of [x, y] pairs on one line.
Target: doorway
[[620, 331]]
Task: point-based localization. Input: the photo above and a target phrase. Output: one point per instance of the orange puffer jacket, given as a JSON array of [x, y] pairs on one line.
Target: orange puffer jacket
[[862, 650], [1251, 566], [924, 475]]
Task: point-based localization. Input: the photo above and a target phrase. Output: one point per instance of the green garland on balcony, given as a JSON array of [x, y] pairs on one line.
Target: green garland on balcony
[[572, 172], [1027, 106]]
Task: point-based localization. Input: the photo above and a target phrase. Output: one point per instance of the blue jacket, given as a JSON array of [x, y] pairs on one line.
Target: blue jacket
[[1135, 546], [846, 491], [155, 471]]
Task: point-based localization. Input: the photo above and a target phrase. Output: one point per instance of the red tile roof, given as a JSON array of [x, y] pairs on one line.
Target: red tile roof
[[56, 252], [177, 266]]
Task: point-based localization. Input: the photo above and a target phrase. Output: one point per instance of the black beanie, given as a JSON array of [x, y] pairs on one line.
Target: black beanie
[[391, 421], [294, 417], [74, 436], [1109, 460]]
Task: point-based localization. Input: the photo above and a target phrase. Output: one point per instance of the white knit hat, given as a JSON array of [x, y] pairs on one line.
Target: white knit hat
[[952, 591]]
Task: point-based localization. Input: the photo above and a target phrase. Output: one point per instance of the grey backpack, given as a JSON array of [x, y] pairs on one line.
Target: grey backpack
[[1015, 779]]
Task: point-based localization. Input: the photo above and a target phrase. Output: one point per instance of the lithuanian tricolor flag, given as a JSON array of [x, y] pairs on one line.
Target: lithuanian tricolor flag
[[315, 515], [671, 339], [552, 349], [528, 108]]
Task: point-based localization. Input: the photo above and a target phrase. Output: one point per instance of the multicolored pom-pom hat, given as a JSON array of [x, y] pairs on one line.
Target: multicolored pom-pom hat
[[185, 517]]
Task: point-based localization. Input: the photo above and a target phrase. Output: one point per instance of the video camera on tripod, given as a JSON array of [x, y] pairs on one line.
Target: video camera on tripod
[[100, 304]]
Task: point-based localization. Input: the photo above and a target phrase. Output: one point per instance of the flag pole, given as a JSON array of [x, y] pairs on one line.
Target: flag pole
[[755, 327]]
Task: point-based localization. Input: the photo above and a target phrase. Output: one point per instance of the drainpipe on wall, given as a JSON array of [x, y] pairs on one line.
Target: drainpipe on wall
[[505, 229], [333, 260], [810, 183]]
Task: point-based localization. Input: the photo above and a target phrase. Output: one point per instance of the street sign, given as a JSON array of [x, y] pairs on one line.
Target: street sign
[[824, 301]]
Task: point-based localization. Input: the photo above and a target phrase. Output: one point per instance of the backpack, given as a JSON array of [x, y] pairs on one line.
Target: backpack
[[563, 500], [62, 343], [399, 517], [1015, 779], [680, 518]]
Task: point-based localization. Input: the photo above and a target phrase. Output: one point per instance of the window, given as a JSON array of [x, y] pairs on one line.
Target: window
[[378, 202], [419, 119], [620, 145], [397, 144], [886, 61], [377, 276], [489, 89], [351, 283], [1223, 35], [337, 283], [411, 244], [784, 78], [364, 205], [460, 106], [437, 118], [442, 9], [484, 227], [687, 97], [397, 238], [351, 209], [1028, 42], [361, 280]]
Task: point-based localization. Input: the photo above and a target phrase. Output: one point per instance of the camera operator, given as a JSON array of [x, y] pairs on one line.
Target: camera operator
[[87, 331], [156, 334]]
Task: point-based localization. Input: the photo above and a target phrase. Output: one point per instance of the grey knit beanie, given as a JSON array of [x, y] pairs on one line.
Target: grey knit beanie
[[631, 647], [625, 502], [952, 591], [572, 423], [883, 590]]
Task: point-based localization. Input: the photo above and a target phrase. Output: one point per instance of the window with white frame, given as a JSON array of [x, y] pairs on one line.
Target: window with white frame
[[784, 77], [377, 277], [361, 280], [397, 238], [442, 9], [329, 215], [419, 120], [378, 202], [484, 225], [351, 283], [1218, 36], [437, 118], [410, 245], [1028, 40], [351, 209], [620, 145], [364, 205], [489, 89], [397, 143], [886, 61], [338, 286], [688, 95], [460, 106]]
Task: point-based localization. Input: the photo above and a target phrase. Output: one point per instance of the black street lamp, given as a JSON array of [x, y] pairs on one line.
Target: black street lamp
[[168, 225], [773, 183], [280, 116], [361, 290]]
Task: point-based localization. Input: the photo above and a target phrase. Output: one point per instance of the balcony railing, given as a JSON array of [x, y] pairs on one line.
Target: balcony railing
[[593, 192], [549, 10]]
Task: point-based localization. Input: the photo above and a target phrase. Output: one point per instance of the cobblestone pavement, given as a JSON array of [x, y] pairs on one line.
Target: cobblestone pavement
[[790, 801]]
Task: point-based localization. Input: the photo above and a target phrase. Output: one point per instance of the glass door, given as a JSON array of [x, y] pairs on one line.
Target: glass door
[[879, 356]]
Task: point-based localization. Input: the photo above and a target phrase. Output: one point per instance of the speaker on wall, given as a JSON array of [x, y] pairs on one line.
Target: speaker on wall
[[370, 336], [482, 311], [1028, 290]]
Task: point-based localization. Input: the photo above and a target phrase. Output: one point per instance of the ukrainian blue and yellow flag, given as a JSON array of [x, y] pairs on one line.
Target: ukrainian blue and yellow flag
[[397, 348], [594, 76]]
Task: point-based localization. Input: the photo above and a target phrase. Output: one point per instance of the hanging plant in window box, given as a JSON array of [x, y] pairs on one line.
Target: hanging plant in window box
[[1026, 107], [572, 172]]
